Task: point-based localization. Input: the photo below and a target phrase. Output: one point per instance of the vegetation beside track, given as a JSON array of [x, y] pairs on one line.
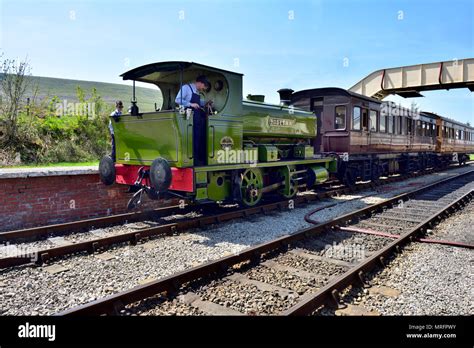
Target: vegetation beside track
[[49, 121]]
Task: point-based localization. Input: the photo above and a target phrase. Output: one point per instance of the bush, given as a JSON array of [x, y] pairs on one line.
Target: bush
[[44, 137]]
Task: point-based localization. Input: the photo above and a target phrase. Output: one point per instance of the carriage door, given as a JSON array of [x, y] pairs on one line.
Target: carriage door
[[410, 130], [317, 107], [439, 134], [365, 128]]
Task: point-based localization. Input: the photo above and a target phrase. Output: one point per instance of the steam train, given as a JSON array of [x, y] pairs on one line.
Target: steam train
[[254, 148]]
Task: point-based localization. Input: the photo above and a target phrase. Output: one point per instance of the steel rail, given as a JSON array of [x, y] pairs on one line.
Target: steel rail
[[36, 233], [95, 245], [171, 284], [330, 292]]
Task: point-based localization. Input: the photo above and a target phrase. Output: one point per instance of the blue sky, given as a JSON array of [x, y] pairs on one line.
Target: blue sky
[[297, 44]]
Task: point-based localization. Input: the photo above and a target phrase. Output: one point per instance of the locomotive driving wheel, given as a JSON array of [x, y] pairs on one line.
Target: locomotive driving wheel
[[290, 188], [250, 184]]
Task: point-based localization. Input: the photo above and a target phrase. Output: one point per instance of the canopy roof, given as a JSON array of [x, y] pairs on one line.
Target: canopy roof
[[155, 72]]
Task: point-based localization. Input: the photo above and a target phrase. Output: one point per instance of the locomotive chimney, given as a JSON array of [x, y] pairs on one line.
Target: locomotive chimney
[[285, 96]]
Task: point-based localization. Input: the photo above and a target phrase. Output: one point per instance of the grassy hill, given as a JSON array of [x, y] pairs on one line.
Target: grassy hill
[[110, 92]]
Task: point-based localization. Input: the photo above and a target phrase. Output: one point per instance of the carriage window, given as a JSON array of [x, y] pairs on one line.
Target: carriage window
[[356, 118], [418, 128], [400, 125], [383, 121], [390, 124], [340, 119], [410, 126], [373, 120]]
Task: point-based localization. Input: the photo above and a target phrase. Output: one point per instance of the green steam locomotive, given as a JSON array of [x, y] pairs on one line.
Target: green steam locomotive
[[252, 148]]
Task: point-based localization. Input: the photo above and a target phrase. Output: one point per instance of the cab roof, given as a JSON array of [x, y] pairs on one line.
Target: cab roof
[[150, 72]]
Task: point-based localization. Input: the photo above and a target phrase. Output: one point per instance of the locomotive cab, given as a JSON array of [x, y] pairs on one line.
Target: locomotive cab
[[167, 132]]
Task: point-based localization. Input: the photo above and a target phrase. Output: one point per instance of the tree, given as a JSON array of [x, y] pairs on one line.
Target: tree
[[14, 82]]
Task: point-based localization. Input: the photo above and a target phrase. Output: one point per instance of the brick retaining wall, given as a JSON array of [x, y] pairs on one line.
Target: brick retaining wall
[[30, 198]]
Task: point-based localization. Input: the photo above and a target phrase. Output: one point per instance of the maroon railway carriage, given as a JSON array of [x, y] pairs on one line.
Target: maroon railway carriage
[[375, 138]]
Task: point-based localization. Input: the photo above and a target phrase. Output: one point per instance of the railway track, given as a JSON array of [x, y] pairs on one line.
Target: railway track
[[206, 218], [295, 274]]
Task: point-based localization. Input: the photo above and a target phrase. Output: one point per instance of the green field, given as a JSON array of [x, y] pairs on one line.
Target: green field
[[65, 89]]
